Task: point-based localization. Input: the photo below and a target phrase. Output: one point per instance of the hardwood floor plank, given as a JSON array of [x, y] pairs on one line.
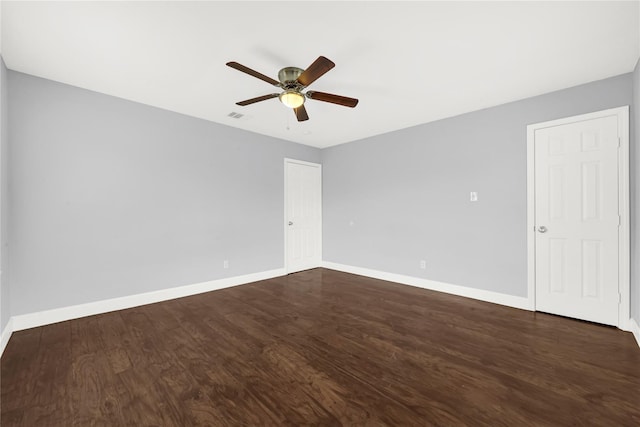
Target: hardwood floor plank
[[321, 347], [11, 418], [94, 392], [21, 361]]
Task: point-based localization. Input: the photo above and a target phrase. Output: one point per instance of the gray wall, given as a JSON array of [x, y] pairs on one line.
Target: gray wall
[[111, 198], [5, 312], [407, 192], [635, 196]]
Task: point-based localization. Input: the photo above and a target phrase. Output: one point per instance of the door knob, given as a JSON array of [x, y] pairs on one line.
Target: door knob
[[542, 229], [290, 223]]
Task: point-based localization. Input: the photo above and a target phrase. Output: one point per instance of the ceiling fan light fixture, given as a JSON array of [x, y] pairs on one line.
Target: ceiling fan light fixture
[[292, 98]]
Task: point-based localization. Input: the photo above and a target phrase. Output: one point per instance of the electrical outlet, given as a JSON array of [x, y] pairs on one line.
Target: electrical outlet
[[423, 264], [225, 263]]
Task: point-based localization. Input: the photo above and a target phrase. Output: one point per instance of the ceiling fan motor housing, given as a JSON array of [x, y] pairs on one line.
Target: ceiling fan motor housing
[[289, 76]]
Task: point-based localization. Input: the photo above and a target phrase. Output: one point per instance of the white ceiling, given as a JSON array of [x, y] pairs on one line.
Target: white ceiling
[[407, 62]]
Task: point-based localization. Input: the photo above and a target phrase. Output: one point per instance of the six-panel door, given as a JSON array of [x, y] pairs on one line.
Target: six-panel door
[[303, 216], [577, 219]]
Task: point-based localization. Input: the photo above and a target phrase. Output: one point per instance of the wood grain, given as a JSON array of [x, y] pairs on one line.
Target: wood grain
[[321, 348]]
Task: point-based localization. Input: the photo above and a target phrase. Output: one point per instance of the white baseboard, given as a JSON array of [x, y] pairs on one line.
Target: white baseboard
[[6, 334], [463, 291], [32, 320], [635, 329]]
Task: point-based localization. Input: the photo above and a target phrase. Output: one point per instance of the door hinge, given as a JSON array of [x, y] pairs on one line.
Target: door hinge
[[619, 298], [619, 141], [619, 220]]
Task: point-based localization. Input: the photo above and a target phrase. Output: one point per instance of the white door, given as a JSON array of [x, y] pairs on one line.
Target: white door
[[577, 219], [303, 215]]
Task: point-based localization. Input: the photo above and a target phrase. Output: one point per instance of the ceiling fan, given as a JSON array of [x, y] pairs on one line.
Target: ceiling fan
[[294, 81]]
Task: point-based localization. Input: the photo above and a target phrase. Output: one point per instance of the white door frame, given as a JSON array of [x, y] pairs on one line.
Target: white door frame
[[624, 255], [286, 205]]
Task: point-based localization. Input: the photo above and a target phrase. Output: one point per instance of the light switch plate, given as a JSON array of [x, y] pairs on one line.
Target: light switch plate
[[473, 196]]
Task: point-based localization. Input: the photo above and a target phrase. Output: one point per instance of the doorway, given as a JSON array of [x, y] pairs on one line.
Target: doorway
[[303, 215], [578, 216]]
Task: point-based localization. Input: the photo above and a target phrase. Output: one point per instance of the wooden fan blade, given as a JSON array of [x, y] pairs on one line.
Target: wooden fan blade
[[253, 73], [301, 113], [316, 70], [258, 99], [334, 99]]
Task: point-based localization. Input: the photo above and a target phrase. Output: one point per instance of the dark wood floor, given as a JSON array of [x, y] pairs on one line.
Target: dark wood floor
[[321, 348]]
